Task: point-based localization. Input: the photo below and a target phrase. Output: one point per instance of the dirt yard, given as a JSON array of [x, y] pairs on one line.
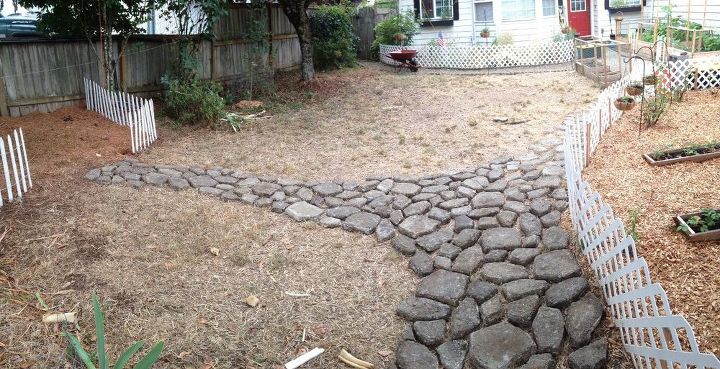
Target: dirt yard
[[369, 121], [689, 272], [147, 253]]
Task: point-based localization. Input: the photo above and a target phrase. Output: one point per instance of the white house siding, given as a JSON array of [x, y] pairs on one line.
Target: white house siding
[[461, 32]]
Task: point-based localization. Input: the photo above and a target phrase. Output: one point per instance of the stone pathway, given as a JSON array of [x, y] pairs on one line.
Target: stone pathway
[[500, 288]]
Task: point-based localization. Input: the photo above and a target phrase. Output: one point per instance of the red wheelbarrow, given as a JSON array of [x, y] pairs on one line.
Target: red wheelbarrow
[[406, 58]]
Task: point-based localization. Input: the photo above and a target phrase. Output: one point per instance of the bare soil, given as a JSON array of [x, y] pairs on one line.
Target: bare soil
[[366, 121], [689, 272]]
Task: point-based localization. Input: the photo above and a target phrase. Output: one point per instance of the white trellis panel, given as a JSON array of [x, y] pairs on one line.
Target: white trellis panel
[[482, 57], [16, 169], [652, 335], [124, 109]]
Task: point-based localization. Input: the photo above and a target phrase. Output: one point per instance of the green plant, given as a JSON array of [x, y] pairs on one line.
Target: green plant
[[654, 108], [386, 32], [634, 219], [503, 39], [625, 99], [193, 101], [708, 39], [102, 360], [234, 120], [708, 220], [334, 42]]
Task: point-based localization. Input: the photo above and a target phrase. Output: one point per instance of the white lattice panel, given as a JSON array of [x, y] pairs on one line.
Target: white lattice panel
[[482, 57], [651, 334]]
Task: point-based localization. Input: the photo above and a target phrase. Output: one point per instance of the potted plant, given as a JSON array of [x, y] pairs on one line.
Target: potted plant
[[624, 103], [564, 29], [485, 32], [635, 88], [700, 226], [649, 80]]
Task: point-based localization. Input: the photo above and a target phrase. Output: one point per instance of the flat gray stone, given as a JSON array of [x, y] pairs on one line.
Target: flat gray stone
[[592, 356], [529, 224], [582, 317], [93, 174], [506, 218], [301, 211], [439, 214], [488, 200], [523, 256], [435, 240], [454, 203], [418, 308], [330, 222], [521, 312], [430, 332], [520, 288], [210, 191], [418, 225], [503, 272], [496, 256], [412, 355], [385, 185], [452, 354], [551, 219], [539, 206], [468, 260], [462, 222], [444, 286], [417, 208], [547, 181], [555, 238], [476, 183], [407, 189], [223, 179], [500, 346], [449, 251], [492, 310], [464, 319], [555, 266], [404, 244], [385, 230], [342, 212], [327, 189], [501, 239], [549, 329], [563, 293], [481, 291], [155, 179], [466, 238], [264, 188], [487, 223], [539, 361], [361, 222], [421, 263], [178, 183], [442, 262]]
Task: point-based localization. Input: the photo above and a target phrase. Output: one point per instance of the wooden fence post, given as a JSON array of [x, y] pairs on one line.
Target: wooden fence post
[[4, 110], [124, 71], [213, 70]]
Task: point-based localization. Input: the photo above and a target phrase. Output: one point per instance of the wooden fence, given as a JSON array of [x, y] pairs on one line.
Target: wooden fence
[[364, 22], [136, 113], [44, 75], [16, 168]]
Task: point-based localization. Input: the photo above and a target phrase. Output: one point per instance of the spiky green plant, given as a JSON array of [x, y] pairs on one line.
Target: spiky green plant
[[102, 360]]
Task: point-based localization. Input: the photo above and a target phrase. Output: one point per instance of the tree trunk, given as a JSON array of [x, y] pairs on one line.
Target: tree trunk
[[296, 12]]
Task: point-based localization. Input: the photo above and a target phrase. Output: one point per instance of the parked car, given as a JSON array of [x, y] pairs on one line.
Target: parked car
[[17, 25]]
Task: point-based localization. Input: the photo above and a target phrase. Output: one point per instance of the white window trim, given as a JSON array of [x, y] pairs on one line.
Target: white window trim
[[534, 17], [434, 11], [492, 14], [579, 11]]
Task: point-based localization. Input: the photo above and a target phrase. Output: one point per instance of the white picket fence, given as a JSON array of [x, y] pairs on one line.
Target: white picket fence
[[652, 335], [16, 168], [122, 108], [481, 57]]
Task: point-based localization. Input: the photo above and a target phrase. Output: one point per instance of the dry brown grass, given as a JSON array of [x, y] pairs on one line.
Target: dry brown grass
[[146, 253], [689, 272], [369, 121]]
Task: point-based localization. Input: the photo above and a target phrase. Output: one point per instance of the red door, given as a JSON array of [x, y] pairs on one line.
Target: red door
[[579, 16]]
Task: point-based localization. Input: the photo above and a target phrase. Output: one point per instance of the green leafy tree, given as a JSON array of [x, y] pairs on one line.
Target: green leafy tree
[[333, 38], [296, 11]]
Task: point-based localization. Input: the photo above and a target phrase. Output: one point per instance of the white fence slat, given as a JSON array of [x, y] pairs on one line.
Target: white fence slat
[[25, 158], [14, 167], [20, 160]]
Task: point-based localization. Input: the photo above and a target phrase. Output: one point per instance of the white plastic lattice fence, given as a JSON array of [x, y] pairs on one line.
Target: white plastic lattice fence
[[482, 57], [16, 169], [652, 335], [124, 109], [693, 73]]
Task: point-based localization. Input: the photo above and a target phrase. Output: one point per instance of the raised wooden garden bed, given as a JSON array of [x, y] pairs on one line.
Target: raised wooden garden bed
[[685, 154], [693, 232]]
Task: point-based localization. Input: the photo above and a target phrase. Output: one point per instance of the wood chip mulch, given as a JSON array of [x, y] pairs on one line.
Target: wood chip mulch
[[689, 272]]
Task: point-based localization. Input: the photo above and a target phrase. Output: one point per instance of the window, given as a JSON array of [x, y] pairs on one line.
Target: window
[[577, 6], [436, 9], [518, 9], [548, 7], [484, 12], [620, 4]]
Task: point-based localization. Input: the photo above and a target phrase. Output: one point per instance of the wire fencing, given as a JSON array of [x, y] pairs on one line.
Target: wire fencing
[[652, 335], [124, 109], [16, 169]]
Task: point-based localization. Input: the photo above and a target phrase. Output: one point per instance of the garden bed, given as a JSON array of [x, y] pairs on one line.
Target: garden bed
[[696, 153], [648, 199], [700, 226]]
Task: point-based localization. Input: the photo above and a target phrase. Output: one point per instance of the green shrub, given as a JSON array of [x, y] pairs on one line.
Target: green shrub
[[334, 43], [193, 101], [388, 31]]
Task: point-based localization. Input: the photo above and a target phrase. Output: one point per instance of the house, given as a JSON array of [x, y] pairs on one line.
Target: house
[[528, 21], [461, 21]]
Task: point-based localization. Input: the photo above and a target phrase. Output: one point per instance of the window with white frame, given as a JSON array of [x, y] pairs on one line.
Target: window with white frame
[[548, 7], [577, 6], [619, 4], [484, 12], [436, 9], [518, 9]]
